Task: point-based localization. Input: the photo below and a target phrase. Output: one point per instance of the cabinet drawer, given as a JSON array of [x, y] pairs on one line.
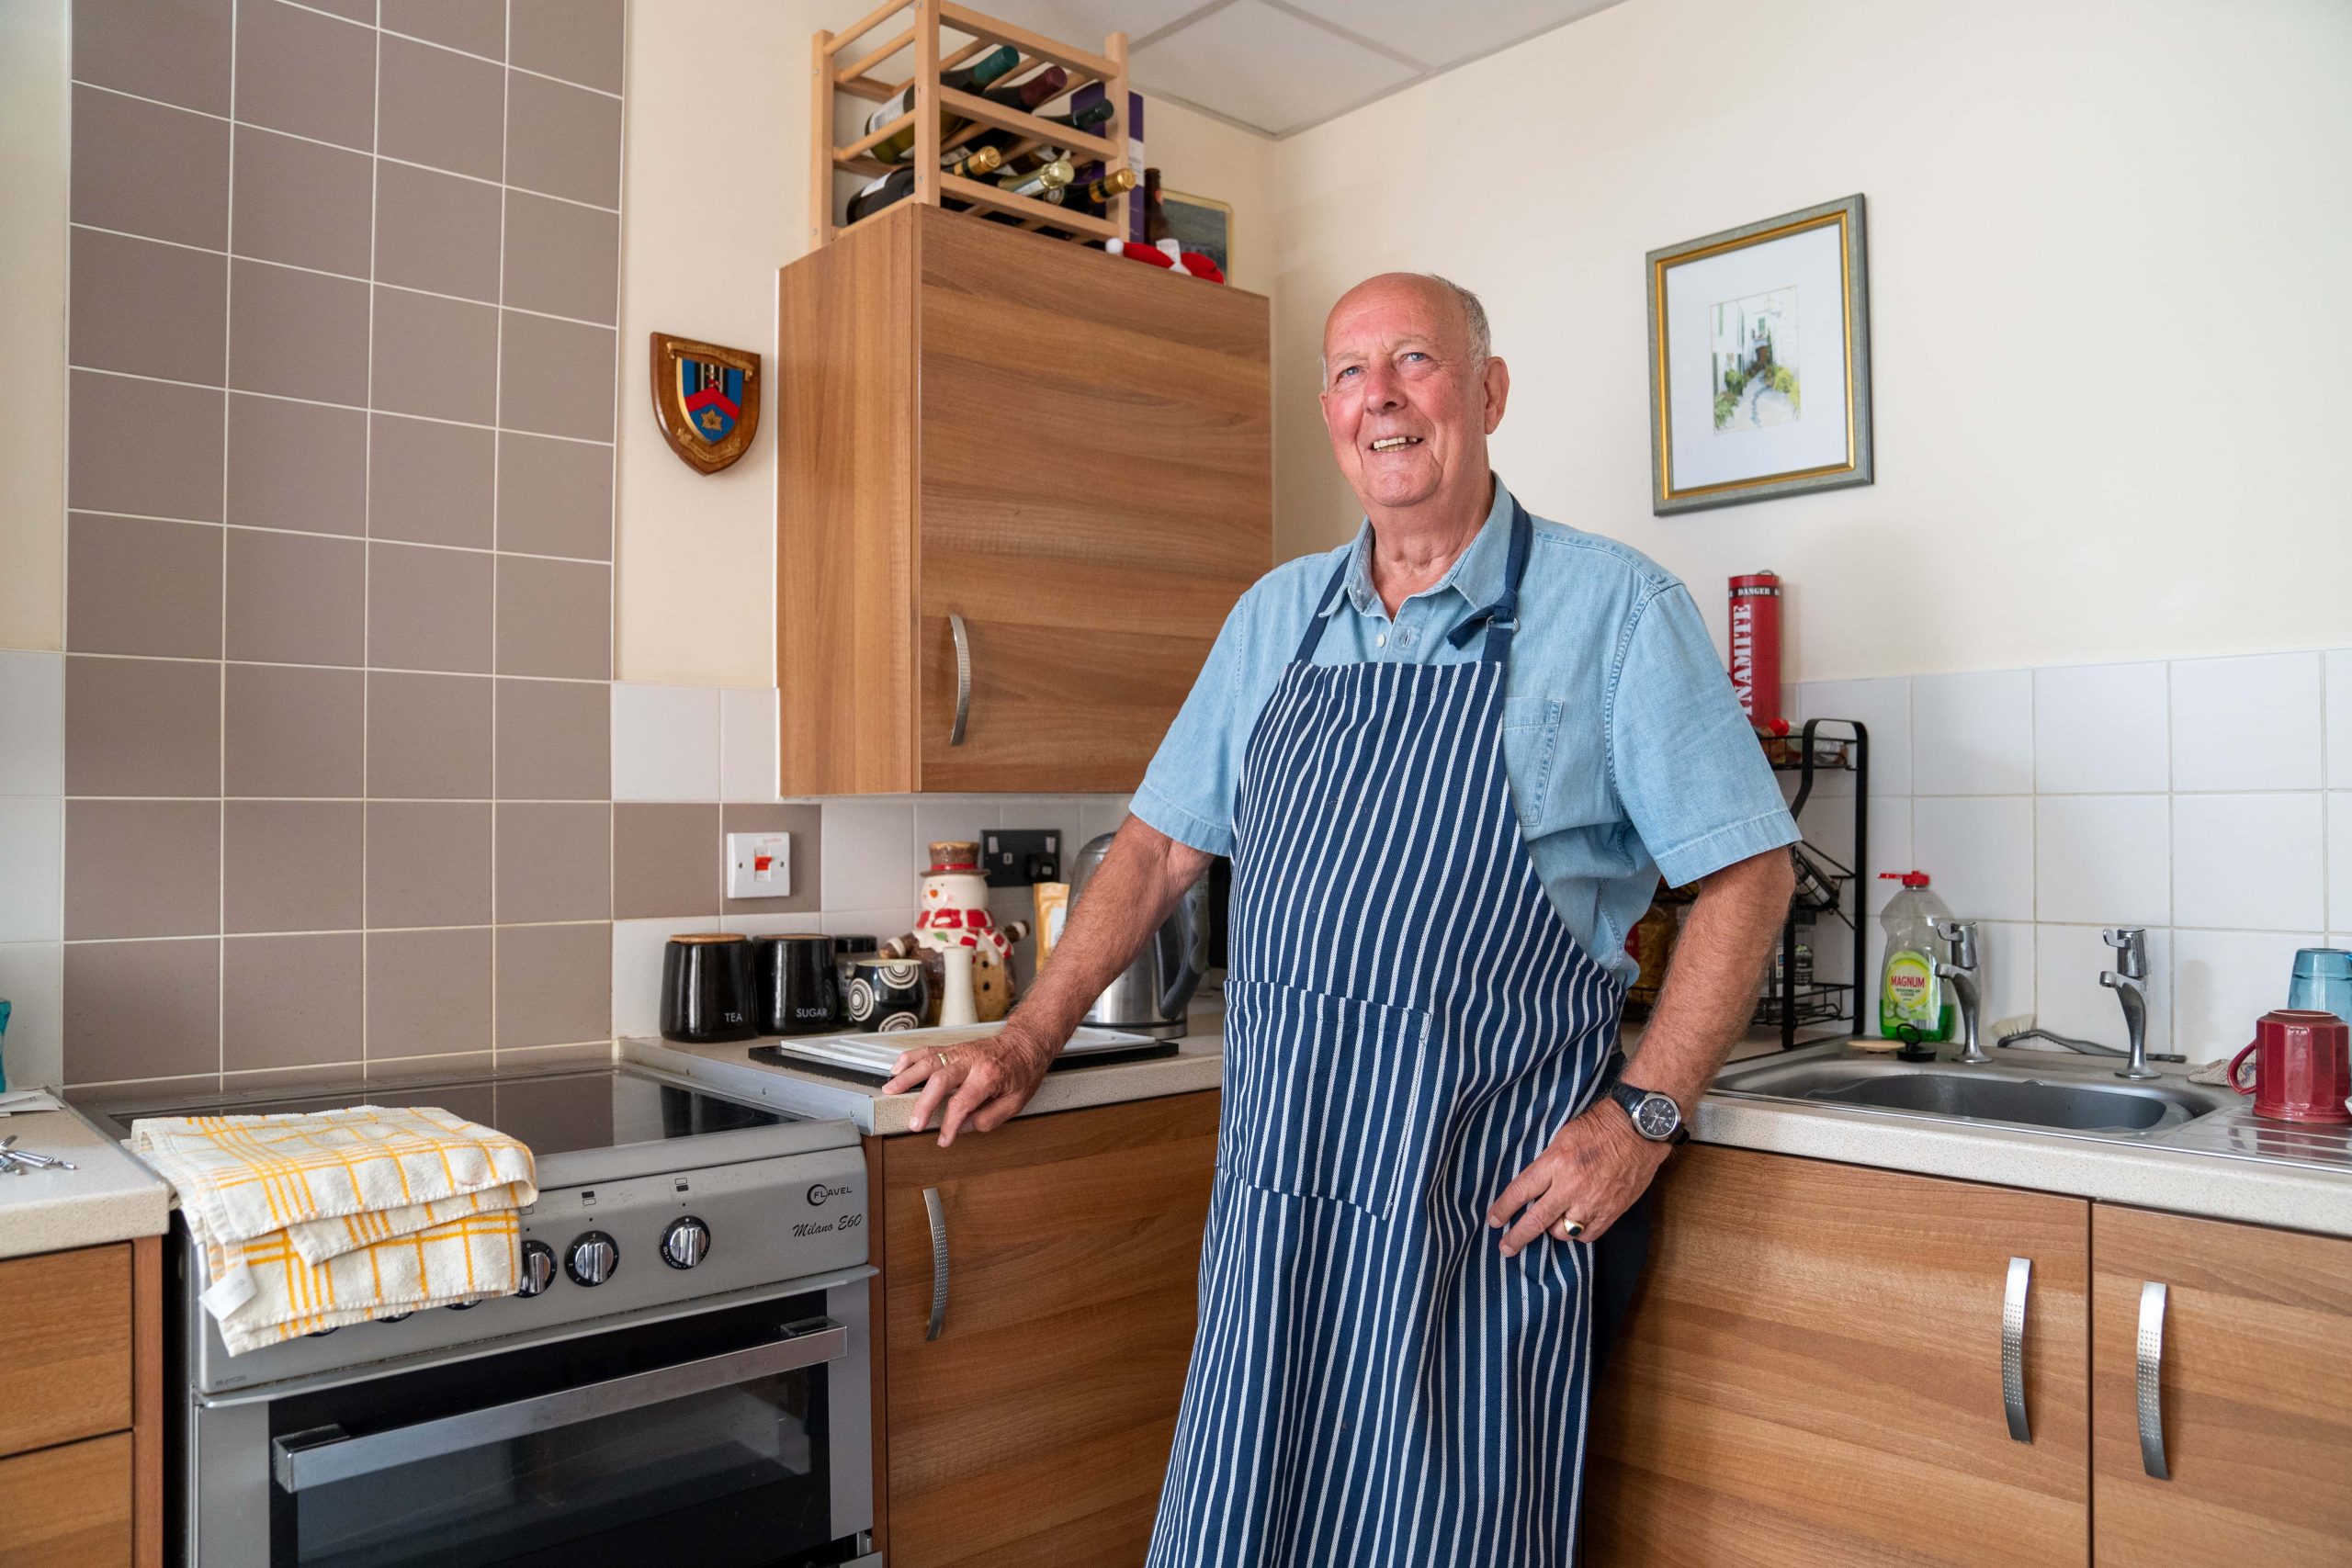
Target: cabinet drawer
[[67, 1507], [64, 1347]]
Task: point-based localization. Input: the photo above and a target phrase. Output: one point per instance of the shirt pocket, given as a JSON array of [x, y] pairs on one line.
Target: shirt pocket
[[1530, 746], [1326, 1097]]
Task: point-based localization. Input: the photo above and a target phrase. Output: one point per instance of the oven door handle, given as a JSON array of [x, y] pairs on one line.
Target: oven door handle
[[323, 1455]]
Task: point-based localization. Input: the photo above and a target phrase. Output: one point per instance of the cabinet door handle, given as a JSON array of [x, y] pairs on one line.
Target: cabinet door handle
[[938, 1213], [963, 678], [2013, 1348], [2148, 1381]]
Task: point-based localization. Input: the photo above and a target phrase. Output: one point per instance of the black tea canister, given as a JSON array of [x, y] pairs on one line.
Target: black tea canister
[[708, 990]]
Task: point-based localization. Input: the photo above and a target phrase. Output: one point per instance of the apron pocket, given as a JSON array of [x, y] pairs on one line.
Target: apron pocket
[[1326, 1097]]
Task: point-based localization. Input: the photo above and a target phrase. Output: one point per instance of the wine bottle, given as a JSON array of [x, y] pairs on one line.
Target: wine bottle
[[1040, 183], [971, 78], [898, 183], [1085, 119], [1040, 87]]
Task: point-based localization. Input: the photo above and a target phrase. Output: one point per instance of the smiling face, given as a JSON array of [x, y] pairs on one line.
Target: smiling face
[[1408, 403]]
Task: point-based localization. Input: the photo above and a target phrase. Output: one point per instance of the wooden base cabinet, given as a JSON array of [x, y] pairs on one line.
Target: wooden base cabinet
[[1020, 484], [2252, 1372], [1031, 1424], [1813, 1375]]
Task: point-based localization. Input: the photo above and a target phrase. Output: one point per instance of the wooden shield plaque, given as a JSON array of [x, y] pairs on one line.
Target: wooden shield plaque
[[707, 399]]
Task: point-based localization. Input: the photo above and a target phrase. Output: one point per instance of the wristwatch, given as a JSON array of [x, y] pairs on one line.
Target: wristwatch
[[1655, 1116]]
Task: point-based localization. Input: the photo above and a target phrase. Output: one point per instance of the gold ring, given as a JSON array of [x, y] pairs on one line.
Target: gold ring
[[1569, 1230], [943, 1057]]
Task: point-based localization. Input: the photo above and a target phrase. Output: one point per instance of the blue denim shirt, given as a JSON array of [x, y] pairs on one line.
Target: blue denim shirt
[[1627, 754]]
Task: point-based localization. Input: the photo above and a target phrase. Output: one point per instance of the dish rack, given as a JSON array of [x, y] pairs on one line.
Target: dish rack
[[930, 28]]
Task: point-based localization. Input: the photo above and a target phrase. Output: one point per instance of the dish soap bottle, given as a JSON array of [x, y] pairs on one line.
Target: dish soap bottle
[[1911, 1001]]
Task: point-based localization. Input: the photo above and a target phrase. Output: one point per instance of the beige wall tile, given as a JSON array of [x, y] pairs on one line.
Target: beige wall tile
[[554, 618], [310, 74], [142, 1010], [147, 308], [437, 231], [290, 1002], [555, 984], [555, 498], [665, 860], [142, 868], [554, 862], [142, 727], [297, 335], [554, 739], [579, 41], [135, 586], [477, 27], [436, 357], [564, 142], [428, 609], [291, 865], [806, 824], [428, 992], [178, 54], [302, 203], [32, 715], [440, 110], [429, 737], [563, 258], [144, 446], [431, 482], [296, 598], [428, 863], [299, 466], [555, 377], [290, 731], [146, 169]]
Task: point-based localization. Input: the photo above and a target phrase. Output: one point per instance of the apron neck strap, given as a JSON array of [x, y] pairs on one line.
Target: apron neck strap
[[1499, 618], [1316, 622]]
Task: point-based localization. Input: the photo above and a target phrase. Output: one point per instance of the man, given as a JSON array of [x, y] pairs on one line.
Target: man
[[1450, 761]]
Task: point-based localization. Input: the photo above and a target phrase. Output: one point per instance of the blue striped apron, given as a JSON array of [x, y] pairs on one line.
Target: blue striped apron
[[1407, 1024]]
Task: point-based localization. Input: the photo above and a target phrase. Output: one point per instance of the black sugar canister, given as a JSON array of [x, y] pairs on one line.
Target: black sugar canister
[[796, 991], [709, 992]]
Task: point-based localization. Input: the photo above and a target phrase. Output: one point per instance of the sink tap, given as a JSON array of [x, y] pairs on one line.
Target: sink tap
[[1960, 971], [2128, 981]]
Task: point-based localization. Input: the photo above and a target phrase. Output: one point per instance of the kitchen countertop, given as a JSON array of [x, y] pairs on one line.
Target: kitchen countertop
[[111, 1197]]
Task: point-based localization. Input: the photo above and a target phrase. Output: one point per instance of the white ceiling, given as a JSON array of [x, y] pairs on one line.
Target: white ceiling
[[1278, 66]]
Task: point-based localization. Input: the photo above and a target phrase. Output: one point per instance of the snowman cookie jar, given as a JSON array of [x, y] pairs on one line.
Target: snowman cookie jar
[[955, 913]]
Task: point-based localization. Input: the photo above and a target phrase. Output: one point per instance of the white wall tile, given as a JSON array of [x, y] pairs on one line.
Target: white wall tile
[[638, 947], [2068, 999], [32, 978], [948, 817], [2005, 973], [2338, 678], [747, 755], [1978, 850], [1097, 815], [1828, 822], [775, 925], [32, 844], [2101, 728], [2248, 862], [665, 743], [881, 924], [1885, 708], [868, 854], [32, 723], [2249, 723], [2339, 860], [2223, 981], [2102, 860], [1973, 734]]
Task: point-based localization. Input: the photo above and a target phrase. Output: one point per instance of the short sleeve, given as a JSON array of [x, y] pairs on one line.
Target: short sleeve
[[1187, 792], [1686, 764]]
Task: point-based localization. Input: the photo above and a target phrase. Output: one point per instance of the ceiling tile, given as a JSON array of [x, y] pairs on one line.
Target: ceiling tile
[[1084, 24], [1266, 68], [1443, 35]]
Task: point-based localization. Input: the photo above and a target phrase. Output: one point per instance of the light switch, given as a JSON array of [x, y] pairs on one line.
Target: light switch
[[759, 865]]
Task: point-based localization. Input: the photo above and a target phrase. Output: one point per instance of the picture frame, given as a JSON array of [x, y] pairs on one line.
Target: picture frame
[[1201, 224], [1759, 361]]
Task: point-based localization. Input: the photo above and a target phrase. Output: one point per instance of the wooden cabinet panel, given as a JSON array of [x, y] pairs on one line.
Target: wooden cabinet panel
[[2257, 1395], [1035, 1429], [68, 1508], [64, 1347], [1813, 1375]]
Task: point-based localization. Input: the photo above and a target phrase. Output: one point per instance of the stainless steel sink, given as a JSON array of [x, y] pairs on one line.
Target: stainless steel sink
[[2061, 1096]]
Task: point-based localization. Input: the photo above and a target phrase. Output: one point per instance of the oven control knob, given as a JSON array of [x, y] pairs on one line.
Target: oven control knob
[[593, 1258], [685, 1243], [538, 1268]]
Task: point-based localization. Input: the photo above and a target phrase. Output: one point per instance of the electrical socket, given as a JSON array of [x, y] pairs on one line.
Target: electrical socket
[[1020, 857]]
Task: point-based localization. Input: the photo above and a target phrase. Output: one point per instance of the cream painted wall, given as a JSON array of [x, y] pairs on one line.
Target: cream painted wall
[[33, 127], [716, 201], [2109, 259]]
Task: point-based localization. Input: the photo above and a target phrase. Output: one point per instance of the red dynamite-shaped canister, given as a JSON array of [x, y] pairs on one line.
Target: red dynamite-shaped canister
[[1755, 646]]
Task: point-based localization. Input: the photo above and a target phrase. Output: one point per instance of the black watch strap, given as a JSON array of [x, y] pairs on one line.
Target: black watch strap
[[1626, 1095]]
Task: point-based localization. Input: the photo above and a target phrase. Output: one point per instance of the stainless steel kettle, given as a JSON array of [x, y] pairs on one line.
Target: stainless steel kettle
[[1149, 995]]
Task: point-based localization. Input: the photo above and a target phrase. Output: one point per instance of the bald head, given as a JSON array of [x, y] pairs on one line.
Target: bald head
[[1469, 312], [1411, 390]]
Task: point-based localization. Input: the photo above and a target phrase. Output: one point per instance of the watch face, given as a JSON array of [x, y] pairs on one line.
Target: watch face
[[1657, 1116]]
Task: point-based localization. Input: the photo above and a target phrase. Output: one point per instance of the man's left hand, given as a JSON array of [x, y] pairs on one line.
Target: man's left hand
[[1590, 1173]]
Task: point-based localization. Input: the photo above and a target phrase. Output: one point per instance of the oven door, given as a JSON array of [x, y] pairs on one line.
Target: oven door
[[710, 1439]]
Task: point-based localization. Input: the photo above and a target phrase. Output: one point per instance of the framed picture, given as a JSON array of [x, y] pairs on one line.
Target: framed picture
[[1759, 361], [1201, 224]]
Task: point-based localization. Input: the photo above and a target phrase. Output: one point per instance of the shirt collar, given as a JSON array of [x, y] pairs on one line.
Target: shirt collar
[[1477, 573]]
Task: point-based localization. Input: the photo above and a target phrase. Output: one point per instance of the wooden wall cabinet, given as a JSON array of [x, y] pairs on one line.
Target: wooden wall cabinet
[[1036, 1427], [1067, 453]]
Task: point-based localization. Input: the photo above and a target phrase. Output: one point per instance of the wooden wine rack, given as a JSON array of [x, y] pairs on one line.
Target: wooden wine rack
[[926, 23]]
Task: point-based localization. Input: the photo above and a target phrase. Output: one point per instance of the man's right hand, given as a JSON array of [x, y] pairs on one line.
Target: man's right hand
[[980, 1082]]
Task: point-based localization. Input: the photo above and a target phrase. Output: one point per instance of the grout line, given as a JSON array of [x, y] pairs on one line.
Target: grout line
[[324, 403], [369, 669], [453, 49], [368, 515], [356, 538], [220, 735], [498, 417]]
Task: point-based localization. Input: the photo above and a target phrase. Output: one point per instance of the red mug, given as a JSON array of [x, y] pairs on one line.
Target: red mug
[[2302, 1066]]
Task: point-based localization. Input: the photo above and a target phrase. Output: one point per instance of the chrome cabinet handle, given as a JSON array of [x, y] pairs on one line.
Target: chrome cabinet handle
[[938, 1212], [2013, 1348], [963, 678], [2147, 1378]]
